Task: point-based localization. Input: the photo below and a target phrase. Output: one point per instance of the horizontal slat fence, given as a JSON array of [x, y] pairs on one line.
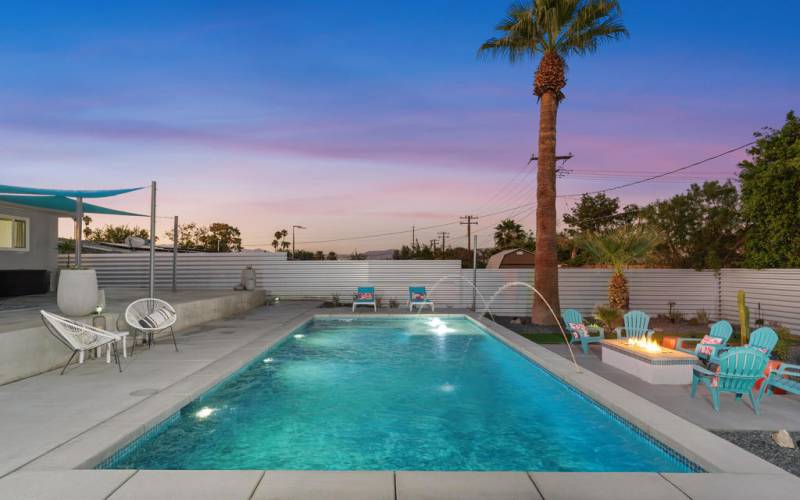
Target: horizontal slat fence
[[776, 290]]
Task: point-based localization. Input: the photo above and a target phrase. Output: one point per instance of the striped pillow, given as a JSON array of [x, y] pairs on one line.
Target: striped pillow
[[157, 318]]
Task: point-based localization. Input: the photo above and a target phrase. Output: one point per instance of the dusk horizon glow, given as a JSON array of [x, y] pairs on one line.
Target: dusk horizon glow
[[366, 118]]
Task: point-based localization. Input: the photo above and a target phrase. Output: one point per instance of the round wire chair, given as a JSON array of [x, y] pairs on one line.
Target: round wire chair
[[141, 309]]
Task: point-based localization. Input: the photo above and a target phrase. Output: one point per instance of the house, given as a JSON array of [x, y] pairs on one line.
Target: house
[[514, 258], [28, 249]]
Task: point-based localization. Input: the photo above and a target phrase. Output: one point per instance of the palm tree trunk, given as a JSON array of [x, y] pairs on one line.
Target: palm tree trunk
[[546, 258]]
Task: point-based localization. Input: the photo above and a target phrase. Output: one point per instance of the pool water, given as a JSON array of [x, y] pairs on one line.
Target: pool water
[[408, 393]]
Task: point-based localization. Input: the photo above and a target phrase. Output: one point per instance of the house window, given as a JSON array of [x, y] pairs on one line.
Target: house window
[[13, 233]]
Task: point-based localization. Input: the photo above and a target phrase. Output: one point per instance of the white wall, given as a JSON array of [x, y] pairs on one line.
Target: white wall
[[777, 290]]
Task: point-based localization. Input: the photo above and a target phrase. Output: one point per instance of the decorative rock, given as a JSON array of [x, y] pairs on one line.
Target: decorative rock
[[783, 439], [516, 321]]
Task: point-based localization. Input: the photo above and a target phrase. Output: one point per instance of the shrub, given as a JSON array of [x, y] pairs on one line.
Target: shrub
[[786, 340], [393, 304], [336, 300], [702, 317], [378, 301], [610, 317]]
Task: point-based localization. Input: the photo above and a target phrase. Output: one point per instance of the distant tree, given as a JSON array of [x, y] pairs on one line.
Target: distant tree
[[509, 234], [357, 256], [218, 237], [222, 237], [303, 255], [620, 247], [319, 255], [332, 256], [703, 228], [87, 231], [598, 213], [118, 234], [770, 182], [280, 243]]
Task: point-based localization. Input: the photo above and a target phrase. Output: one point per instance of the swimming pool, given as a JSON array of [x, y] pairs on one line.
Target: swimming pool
[[395, 393]]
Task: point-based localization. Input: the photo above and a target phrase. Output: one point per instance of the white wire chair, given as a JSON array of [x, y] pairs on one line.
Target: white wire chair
[[140, 309], [80, 337]]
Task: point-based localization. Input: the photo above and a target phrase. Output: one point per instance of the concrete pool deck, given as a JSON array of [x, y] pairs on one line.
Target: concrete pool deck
[[50, 426]]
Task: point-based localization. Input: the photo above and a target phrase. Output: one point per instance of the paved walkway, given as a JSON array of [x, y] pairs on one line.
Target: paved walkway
[[40, 413], [777, 412]]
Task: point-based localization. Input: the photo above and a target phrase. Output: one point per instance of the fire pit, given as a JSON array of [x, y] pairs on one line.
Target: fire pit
[[649, 361]]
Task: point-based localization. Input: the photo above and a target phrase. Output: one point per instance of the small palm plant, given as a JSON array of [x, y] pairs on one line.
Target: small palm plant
[[620, 247]]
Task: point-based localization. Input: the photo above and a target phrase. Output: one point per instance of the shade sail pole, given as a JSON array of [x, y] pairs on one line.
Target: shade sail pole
[[152, 288], [78, 230], [175, 254]]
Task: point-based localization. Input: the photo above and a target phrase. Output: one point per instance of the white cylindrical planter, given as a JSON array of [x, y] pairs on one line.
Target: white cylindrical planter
[[77, 291]]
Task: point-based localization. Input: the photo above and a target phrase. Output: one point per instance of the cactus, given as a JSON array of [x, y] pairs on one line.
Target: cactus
[[744, 317]]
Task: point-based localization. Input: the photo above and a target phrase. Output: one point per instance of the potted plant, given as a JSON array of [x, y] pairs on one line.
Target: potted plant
[[77, 291]]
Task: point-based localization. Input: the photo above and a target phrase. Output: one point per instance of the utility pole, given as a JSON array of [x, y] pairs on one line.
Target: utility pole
[[293, 228], [469, 220], [444, 235], [413, 236], [433, 245]]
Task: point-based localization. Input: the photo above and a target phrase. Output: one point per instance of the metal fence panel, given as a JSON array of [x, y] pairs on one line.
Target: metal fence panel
[[776, 291]]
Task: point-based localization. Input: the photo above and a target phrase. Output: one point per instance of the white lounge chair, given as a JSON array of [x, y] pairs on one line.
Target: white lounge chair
[[80, 337], [418, 296], [151, 316], [365, 296]]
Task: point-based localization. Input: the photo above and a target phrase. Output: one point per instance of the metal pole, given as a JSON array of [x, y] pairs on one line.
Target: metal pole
[[474, 271], [78, 230], [175, 254], [152, 287], [293, 242]]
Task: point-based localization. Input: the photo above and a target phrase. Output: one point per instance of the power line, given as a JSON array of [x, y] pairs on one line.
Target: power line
[[522, 206], [653, 177]]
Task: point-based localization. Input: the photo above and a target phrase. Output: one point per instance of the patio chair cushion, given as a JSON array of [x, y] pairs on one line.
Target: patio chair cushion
[[156, 318], [416, 296], [578, 330], [706, 343], [364, 296]]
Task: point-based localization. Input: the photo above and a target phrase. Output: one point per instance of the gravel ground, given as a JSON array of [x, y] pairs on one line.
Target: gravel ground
[[760, 443]]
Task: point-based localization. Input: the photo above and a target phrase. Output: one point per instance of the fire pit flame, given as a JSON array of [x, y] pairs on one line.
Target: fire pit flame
[[645, 344]]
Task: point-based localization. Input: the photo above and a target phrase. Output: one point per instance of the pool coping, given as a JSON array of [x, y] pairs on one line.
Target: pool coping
[[712, 453]]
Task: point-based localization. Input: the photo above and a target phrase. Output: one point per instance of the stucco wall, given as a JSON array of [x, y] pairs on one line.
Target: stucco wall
[[42, 252]]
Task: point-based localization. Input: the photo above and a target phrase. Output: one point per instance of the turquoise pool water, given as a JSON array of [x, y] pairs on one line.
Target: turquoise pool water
[[409, 393]]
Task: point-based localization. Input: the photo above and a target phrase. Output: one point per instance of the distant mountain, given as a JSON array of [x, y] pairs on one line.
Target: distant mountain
[[379, 254]]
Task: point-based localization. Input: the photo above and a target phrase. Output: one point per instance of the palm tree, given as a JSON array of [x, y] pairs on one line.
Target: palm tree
[[620, 247], [507, 232], [552, 30]]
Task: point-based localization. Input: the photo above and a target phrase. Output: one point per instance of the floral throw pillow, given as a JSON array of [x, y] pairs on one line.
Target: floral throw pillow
[[364, 296], [706, 343], [416, 296], [578, 330]]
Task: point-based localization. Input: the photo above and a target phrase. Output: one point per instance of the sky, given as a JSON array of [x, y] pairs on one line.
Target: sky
[[355, 117]]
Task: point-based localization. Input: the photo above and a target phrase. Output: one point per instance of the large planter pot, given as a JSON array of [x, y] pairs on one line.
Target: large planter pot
[[77, 291]]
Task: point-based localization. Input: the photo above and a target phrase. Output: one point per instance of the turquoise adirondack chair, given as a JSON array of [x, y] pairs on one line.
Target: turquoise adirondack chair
[[764, 339], [575, 317], [786, 377], [636, 325], [365, 296], [721, 330], [739, 368]]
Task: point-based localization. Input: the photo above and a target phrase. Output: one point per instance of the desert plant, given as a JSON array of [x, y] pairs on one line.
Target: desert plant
[[620, 247], [378, 301], [393, 304], [782, 349], [552, 30], [744, 317], [609, 316], [335, 300], [701, 317]]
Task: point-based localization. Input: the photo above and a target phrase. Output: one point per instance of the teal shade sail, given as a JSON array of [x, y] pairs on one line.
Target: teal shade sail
[[60, 204], [75, 193]]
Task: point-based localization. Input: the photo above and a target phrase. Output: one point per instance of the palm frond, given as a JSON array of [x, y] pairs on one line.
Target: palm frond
[[622, 246]]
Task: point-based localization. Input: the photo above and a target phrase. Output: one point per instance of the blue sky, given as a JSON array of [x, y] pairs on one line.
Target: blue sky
[[356, 117]]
